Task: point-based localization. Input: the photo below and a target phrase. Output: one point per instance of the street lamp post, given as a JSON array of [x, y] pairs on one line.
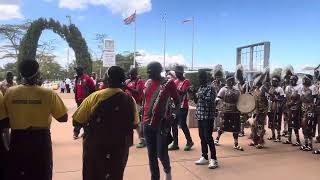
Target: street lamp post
[[68, 51], [185, 21], [164, 39]]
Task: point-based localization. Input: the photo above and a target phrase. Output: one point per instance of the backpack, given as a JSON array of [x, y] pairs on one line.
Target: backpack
[[112, 121]]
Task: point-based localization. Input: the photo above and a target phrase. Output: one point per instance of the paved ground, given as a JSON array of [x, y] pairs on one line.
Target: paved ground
[[276, 161]]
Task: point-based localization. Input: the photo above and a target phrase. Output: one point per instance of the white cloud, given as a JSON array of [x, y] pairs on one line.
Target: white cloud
[[146, 57], [10, 10], [72, 4], [123, 7], [62, 56]]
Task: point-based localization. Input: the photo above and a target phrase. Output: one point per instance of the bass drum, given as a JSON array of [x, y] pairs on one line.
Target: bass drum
[[246, 103]]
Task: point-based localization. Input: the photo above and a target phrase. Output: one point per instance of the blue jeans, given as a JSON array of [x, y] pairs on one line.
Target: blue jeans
[[157, 146], [181, 120]]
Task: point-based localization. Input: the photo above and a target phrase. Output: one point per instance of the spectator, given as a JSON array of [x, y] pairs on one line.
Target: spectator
[[110, 116], [183, 85], [7, 83], [84, 86], [157, 119], [134, 87], [4, 148], [205, 100], [62, 86], [68, 84], [30, 109]]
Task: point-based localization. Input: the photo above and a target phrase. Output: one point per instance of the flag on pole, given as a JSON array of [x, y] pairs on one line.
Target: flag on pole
[[187, 20], [130, 19]]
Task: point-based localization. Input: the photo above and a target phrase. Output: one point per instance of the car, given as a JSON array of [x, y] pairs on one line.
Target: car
[[47, 85], [55, 86]]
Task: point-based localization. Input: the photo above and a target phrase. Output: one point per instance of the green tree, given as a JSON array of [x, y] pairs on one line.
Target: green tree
[[125, 61], [50, 69], [29, 43], [97, 67], [11, 35], [143, 72]]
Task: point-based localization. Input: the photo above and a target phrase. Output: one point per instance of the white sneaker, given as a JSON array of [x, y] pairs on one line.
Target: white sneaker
[[202, 161], [213, 164], [167, 176]]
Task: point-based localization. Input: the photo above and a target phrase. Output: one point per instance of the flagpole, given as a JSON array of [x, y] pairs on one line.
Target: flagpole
[[135, 40], [192, 42], [164, 41]]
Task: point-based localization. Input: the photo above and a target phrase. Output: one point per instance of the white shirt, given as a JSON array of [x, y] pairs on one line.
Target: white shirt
[[68, 81]]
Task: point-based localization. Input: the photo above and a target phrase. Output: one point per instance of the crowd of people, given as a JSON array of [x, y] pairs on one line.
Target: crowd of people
[[155, 107]]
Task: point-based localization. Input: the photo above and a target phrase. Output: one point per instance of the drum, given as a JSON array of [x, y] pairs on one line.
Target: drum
[[246, 103]]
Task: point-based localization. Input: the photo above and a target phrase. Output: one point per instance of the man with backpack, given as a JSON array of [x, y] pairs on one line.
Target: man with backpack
[[157, 118], [109, 117]]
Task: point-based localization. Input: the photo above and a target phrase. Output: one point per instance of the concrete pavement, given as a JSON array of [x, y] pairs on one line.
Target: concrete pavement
[[276, 161]]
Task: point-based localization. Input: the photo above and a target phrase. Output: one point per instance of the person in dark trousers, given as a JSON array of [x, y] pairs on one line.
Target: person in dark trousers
[[30, 109], [134, 87], [181, 117], [4, 148], [205, 109], [84, 86], [109, 117], [157, 119]]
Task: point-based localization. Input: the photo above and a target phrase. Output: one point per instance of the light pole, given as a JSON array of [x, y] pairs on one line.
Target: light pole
[[68, 51], [192, 42], [164, 39], [185, 21]]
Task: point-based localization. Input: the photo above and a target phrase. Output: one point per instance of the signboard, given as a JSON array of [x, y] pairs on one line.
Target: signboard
[[109, 59], [109, 56], [108, 45]]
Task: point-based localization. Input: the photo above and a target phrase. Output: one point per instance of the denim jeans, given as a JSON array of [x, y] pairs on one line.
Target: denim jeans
[[181, 119], [157, 146]]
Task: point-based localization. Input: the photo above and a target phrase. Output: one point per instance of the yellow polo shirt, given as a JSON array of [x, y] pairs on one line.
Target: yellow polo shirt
[[3, 113], [90, 103], [32, 106]]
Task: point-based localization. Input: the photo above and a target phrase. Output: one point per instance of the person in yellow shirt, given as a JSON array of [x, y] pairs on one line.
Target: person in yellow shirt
[[108, 117], [30, 109], [4, 123]]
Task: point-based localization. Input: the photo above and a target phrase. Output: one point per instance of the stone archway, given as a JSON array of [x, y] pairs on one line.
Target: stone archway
[[71, 34]]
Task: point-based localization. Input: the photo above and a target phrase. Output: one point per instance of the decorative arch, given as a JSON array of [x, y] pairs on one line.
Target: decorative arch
[[71, 34]]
